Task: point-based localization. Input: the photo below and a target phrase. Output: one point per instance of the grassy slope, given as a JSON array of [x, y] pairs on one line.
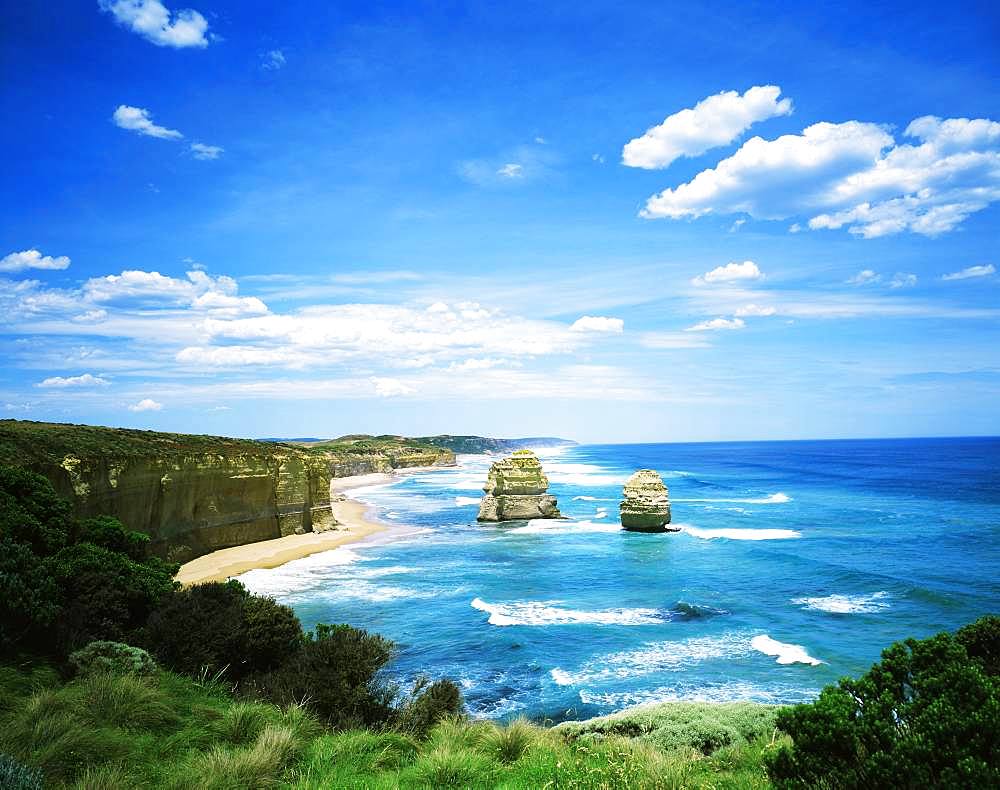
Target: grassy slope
[[171, 732]]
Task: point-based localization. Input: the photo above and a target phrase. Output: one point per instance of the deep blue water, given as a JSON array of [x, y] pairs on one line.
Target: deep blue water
[[837, 547]]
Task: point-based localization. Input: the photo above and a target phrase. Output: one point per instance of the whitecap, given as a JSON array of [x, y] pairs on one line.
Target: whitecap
[[466, 501], [779, 498], [585, 498], [583, 475], [786, 654], [548, 526], [846, 604], [547, 613], [742, 534], [732, 691]]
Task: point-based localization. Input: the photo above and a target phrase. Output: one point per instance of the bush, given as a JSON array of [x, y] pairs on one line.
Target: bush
[[14, 776], [336, 674], [32, 513], [112, 657], [273, 633], [199, 627], [29, 597], [429, 703], [925, 716]]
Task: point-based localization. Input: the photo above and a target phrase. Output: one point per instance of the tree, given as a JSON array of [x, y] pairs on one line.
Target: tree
[[925, 716]]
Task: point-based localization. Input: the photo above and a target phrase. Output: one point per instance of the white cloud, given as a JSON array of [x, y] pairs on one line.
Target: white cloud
[[511, 170], [717, 323], [154, 22], [272, 60], [731, 272], [672, 340], [202, 151], [200, 291], [86, 380], [32, 259], [241, 356], [715, 121], [903, 280], [146, 404], [390, 388], [750, 310], [852, 175], [599, 158], [136, 119], [865, 277], [737, 224], [477, 364], [598, 323], [971, 271], [90, 317]]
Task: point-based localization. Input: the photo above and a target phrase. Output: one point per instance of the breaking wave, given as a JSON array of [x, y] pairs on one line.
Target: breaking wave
[[779, 498], [742, 534], [548, 526], [466, 501], [847, 604], [785, 654], [547, 613]]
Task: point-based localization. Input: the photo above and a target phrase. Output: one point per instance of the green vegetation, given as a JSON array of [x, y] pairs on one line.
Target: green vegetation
[[485, 444], [927, 715], [25, 442], [114, 658]]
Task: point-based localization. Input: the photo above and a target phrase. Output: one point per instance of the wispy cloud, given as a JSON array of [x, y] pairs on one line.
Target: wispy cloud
[[716, 324], [202, 151], [272, 60], [137, 119], [971, 272], [85, 380]]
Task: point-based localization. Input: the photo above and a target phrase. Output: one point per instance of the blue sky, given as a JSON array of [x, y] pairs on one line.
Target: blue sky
[[608, 221]]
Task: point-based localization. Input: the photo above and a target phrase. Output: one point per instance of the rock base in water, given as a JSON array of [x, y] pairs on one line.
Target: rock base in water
[[516, 489], [645, 505]]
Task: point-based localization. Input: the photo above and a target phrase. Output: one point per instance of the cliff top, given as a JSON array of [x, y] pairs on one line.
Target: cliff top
[[26, 440]]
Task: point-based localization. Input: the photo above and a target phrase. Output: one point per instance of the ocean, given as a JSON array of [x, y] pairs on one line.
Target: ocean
[[796, 564]]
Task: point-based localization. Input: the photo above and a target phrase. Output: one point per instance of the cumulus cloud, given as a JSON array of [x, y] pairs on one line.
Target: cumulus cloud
[[136, 119], [200, 291], [32, 259], [865, 277], [390, 388], [598, 323], [60, 382], [715, 121], [154, 22], [717, 323], [750, 310], [852, 175], [202, 151], [146, 404], [730, 273], [970, 272], [272, 60]]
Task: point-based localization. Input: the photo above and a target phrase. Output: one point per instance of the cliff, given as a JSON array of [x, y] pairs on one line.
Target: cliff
[[486, 444], [194, 494], [516, 488], [645, 505]]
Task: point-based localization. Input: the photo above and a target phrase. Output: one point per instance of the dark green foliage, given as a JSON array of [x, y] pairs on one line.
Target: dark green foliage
[[927, 715], [32, 513], [14, 776], [109, 533], [112, 658], [336, 674], [429, 703], [29, 597], [981, 641], [200, 627], [273, 632]]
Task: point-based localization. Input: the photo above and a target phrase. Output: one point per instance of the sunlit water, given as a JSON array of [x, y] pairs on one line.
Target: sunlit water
[[797, 563]]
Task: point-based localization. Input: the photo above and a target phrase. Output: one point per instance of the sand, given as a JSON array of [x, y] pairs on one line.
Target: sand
[[354, 525]]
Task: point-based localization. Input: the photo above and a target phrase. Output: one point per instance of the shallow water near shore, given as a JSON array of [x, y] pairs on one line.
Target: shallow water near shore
[[797, 563]]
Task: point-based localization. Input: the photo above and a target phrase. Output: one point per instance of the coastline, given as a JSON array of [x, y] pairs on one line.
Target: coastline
[[352, 516]]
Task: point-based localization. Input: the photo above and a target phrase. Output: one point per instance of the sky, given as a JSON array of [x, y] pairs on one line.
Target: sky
[[612, 222]]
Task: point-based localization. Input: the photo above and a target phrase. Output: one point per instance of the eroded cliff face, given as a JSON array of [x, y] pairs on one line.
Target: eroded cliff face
[[516, 489], [196, 494]]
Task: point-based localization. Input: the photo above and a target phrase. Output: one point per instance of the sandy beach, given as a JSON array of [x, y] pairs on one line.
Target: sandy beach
[[349, 513]]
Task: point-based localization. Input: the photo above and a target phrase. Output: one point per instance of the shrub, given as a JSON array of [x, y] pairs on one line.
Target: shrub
[[336, 674], [981, 641], [925, 716], [29, 597], [199, 627], [273, 632], [14, 776], [114, 658], [109, 533], [32, 513], [429, 703]]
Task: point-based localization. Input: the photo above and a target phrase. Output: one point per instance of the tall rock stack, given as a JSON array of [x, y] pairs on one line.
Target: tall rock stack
[[516, 489], [645, 505]]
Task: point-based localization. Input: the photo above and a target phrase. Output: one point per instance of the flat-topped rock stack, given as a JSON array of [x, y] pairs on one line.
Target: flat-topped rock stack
[[645, 505], [516, 489]]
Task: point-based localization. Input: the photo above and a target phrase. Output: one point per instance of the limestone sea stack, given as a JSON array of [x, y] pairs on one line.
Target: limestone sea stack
[[645, 504], [516, 489]]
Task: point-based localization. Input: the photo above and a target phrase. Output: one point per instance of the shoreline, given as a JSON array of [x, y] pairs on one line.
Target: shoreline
[[352, 516]]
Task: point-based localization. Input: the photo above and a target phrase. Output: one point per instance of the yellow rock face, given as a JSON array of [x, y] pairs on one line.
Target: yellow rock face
[[516, 489]]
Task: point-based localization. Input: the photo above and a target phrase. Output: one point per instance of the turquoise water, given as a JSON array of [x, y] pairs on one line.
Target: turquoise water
[[798, 562]]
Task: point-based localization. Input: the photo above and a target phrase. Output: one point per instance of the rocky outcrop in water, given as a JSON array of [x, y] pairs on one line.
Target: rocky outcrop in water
[[517, 489], [645, 506]]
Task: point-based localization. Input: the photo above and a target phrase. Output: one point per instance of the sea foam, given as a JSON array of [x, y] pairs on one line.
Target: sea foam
[[742, 534], [785, 653], [847, 604], [466, 501], [779, 498], [547, 613], [549, 526]]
